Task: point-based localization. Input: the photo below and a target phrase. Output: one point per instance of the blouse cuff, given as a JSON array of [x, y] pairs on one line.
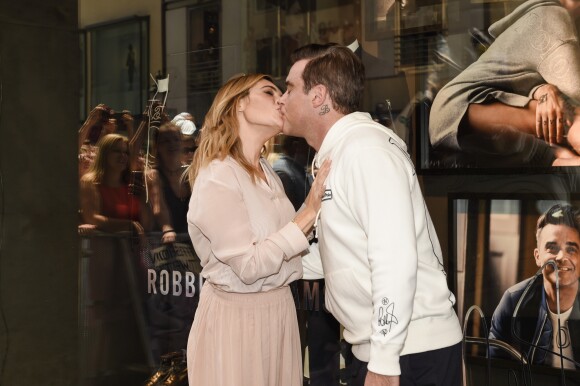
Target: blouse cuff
[[291, 240]]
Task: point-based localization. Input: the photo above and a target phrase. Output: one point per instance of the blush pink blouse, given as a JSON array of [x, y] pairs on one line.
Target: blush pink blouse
[[242, 230]]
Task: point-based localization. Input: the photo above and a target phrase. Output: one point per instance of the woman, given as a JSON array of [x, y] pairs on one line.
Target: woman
[[248, 237], [110, 205], [168, 190], [99, 123], [170, 317], [106, 199], [525, 85]]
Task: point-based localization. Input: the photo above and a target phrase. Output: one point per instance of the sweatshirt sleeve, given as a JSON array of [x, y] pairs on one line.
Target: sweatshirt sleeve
[[221, 215], [558, 69], [379, 193], [556, 45], [312, 264]]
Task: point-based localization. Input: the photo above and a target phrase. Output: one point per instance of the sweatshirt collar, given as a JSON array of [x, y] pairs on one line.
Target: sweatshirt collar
[[336, 132]]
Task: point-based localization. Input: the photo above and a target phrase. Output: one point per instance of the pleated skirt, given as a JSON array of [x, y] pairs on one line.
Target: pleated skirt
[[244, 339]]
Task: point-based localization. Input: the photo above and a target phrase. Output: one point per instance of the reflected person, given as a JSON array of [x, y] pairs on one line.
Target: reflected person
[[517, 104], [535, 327]]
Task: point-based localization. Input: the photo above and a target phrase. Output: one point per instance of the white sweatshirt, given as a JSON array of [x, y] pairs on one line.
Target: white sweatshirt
[[385, 280]]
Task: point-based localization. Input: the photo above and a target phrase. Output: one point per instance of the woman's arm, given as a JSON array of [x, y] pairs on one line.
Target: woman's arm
[[218, 211], [159, 207], [91, 120], [91, 208]]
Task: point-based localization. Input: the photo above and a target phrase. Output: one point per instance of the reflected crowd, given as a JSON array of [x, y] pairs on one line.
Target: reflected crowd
[[140, 266]]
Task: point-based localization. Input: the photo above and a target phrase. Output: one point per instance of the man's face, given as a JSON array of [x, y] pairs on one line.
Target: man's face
[[562, 244], [295, 104], [572, 6]]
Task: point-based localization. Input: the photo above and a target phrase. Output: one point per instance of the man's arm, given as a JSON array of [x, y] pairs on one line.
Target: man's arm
[[501, 325], [379, 193]]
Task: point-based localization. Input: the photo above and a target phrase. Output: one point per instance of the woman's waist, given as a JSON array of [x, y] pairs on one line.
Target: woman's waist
[[222, 277]]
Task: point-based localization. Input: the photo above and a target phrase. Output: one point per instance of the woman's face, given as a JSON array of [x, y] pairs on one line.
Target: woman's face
[[169, 145], [260, 107], [118, 157], [188, 149]]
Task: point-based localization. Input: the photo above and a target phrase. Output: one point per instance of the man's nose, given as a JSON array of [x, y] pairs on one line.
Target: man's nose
[[560, 254]]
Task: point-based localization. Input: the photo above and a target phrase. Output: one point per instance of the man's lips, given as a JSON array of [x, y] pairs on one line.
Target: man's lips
[[561, 269]]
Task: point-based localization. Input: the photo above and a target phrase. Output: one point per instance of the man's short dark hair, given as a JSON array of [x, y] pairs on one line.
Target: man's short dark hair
[[338, 69], [559, 214]]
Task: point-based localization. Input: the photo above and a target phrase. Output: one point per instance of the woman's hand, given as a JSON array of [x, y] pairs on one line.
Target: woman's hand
[[552, 114], [168, 237], [307, 216], [86, 229], [318, 188]]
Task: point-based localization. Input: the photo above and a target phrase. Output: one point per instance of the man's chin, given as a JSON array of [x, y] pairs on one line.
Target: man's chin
[[287, 129]]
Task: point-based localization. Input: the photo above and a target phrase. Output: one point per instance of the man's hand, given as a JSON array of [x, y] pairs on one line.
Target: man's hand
[[552, 114], [374, 379]]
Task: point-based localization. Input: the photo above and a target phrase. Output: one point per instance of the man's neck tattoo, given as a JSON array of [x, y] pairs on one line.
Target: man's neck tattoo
[[324, 110]]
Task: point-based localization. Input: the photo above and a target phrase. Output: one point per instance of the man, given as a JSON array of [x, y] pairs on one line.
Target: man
[[536, 319], [382, 262]]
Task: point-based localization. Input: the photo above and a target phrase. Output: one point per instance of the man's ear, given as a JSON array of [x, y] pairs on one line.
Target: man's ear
[[319, 95], [537, 257]]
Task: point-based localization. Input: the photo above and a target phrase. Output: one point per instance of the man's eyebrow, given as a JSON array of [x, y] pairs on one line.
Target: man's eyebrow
[[568, 244]]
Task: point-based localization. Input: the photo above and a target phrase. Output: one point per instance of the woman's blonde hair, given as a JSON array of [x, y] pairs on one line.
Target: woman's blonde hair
[[220, 131], [105, 146]]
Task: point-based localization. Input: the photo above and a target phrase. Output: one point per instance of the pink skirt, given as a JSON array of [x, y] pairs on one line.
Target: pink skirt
[[244, 339]]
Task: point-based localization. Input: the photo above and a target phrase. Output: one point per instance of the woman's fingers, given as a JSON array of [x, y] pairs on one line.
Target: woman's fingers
[[323, 171]]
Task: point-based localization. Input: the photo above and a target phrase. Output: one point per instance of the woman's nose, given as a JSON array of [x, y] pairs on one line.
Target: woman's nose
[[280, 100]]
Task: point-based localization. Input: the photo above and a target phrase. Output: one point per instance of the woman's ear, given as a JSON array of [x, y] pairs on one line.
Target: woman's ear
[[242, 103]]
